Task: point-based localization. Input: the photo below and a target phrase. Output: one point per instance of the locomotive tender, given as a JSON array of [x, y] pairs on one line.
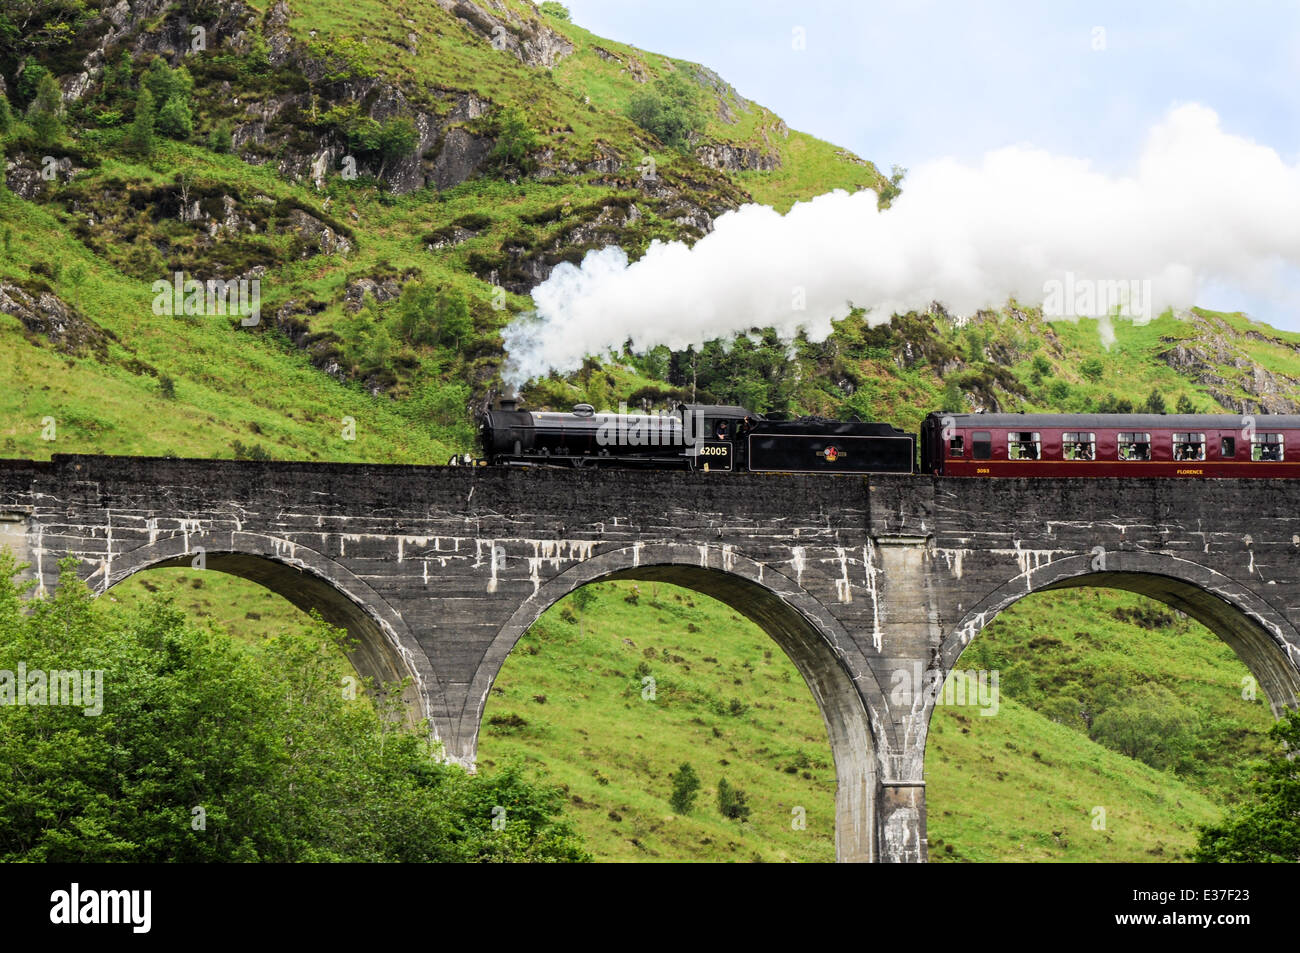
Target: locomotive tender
[[721, 438]]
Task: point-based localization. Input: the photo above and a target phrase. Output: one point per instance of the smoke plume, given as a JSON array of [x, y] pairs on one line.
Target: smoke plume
[[1199, 205]]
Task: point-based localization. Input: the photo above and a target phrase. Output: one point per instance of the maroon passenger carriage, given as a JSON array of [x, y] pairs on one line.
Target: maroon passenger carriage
[[1110, 445]]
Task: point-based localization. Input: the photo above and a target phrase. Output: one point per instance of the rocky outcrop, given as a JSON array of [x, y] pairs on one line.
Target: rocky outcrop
[[48, 317], [630, 65], [1228, 375], [316, 235], [527, 38], [29, 176], [723, 155], [380, 290], [459, 157]]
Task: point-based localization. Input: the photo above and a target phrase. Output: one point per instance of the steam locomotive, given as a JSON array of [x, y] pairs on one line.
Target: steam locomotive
[[706, 437], [725, 438]]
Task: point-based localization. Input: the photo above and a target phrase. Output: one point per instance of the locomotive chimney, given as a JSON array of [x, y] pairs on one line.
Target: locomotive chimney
[[509, 399]]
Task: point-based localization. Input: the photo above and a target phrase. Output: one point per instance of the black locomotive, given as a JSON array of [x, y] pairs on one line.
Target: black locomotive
[[706, 437]]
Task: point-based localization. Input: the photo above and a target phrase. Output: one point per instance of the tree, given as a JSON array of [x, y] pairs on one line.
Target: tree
[[553, 8], [1185, 405], [204, 751], [515, 140], [1149, 724], [454, 321], [165, 82], [686, 783], [1265, 826], [139, 137], [1092, 369], [671, 110], [417, 311], [953, 398], [6, 116], [1155, 402], [175, 119], [732, 802], [582, 599], [45, 115]]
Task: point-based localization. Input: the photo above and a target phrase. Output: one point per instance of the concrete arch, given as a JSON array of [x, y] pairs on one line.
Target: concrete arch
[[1260, 635], [386, 650], [842, 684]]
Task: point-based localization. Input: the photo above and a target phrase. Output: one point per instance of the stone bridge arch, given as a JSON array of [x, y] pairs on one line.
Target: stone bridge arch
[[386, 649], [1260, 635], [843, 685]]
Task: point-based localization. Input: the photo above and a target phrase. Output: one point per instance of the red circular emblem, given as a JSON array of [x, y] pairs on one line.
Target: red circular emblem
[[831, 454]]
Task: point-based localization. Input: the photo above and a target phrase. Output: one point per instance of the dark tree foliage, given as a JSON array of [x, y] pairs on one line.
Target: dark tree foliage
[[671, 110], [205, 752], [45, 115], [1265, 827], [733, 803], [686, 784]]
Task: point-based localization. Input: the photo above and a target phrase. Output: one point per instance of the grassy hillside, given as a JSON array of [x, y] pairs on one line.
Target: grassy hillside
[[485, 149], [1021, 785]]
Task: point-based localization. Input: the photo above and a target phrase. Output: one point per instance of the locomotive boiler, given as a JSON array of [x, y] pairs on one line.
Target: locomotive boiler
[[717, 438]]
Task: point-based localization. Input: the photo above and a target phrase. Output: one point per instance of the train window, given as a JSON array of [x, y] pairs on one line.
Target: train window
[[957, 446], [1189, 446], [1266, 447], [1023, 445], [982, 445], [1135, 446], [1079, 446], [1229, 448]]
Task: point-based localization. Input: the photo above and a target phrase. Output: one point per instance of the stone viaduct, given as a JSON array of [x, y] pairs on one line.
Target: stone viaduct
[[439, 571]]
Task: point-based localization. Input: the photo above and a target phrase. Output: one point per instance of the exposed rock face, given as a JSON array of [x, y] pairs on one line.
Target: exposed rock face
[[1228, 374], [354, 295], [460, 156], [629, 65], [48, 317], [28, 176], [318, 235], [722, 155], [529, 39]]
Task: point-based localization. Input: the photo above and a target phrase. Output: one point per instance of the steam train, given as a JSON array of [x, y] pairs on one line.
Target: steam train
[[725, 439]]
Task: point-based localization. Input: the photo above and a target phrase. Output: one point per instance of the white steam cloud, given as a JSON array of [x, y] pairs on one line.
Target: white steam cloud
[[1200, 206]]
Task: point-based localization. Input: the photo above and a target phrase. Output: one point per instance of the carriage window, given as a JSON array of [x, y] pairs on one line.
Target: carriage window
[[1135, 446], [1189, 446], [1023, 445], [1079, 446], [1229, 448], [957, 446], [1266, 447], [982, 445]]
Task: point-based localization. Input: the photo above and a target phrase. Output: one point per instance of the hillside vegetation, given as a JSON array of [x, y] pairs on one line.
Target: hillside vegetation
[[396, 177]]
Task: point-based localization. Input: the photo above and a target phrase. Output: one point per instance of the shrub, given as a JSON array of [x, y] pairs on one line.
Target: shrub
[[686, 784], [175, 119], [732, 802], [671, 110], [45, 115], [139, 137], [515, 140]]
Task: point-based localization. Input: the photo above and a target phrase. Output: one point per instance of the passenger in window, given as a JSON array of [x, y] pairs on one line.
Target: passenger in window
[[1082, 451]]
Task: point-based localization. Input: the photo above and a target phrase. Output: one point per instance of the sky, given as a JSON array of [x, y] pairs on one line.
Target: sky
[[910, 83]]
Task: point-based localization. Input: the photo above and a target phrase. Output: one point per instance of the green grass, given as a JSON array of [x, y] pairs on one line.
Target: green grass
[[1015, 786]]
